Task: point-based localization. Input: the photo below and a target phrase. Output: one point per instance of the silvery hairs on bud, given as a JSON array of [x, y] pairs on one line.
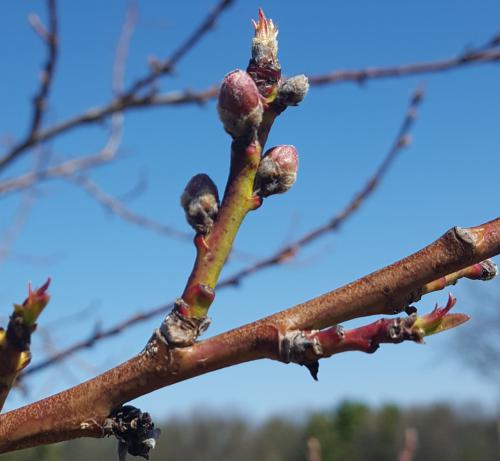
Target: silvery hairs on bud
[[240, 107], [277, 171], [200, 201], [291, 92]]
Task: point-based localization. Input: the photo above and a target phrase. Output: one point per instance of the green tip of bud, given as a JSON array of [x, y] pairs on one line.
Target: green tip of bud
[[292, 91], [240, 106], [438, 320], [200, 201], [34, 304], [265, 42], [277, 171]]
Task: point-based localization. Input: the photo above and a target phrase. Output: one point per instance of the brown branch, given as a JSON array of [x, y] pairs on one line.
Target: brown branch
[[484, 270], [126, 100], [82, 410], [282, 255], [488, 54], [50, 37]]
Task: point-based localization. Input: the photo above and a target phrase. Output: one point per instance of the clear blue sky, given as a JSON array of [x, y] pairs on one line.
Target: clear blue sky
[[449, 176]]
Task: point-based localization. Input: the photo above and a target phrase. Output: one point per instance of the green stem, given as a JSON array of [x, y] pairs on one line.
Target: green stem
[[213, 250]]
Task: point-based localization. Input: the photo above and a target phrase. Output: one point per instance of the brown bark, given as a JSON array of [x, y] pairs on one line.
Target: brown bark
[[81, 410]]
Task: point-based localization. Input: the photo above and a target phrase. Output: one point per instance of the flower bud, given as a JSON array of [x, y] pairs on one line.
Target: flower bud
[[200, 201], [264, 67], [292, 91], [277, 171], [265, 43], [240, 107]]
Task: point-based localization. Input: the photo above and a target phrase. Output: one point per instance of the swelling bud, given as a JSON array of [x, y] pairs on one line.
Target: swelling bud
[[240, 107], [200, 201], [277, 171], [292, 91]]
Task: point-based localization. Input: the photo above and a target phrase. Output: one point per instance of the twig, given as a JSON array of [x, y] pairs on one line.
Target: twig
[[159, 68], [121, 102], [122, 49], [70, 167], [13, 230], [95, 336], [81, 411], [116, 207], [50, 37], [489, 55]]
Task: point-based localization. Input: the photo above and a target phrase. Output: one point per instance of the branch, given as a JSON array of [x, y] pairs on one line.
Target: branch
[[70, 167], [82, 410], [50, 37], [488, 54], [117, 207], [159, 68], [121, 102], [284, 254], [485, 270]]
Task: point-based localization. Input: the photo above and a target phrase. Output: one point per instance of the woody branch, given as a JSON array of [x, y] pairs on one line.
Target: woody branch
[[69, 414]]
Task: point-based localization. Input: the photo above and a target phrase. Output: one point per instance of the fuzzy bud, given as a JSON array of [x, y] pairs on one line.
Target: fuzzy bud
[[292, 91], [200, 201], [277, 171], [264, 67], [240, 107]]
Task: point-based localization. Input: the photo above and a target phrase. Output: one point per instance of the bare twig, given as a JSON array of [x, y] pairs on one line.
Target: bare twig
[[123, 101], [159, 68], [70, 167], [50, 37], [472, 57], [13, 230], [122, 48], [81, 411], [95, 336], [117, 207]]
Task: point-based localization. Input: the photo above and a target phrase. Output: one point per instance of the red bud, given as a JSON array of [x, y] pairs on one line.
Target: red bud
[[240, 107], [277, 171]]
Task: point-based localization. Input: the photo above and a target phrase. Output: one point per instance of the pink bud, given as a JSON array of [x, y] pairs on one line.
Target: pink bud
[[277, 171], [240, 107]]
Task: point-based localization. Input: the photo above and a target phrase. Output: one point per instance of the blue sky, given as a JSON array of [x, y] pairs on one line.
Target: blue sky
[[449, 176]]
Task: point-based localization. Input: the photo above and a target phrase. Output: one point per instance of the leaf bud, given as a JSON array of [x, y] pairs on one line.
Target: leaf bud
[[200, 201], [277, 171], [240, 107], [292, 91]]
